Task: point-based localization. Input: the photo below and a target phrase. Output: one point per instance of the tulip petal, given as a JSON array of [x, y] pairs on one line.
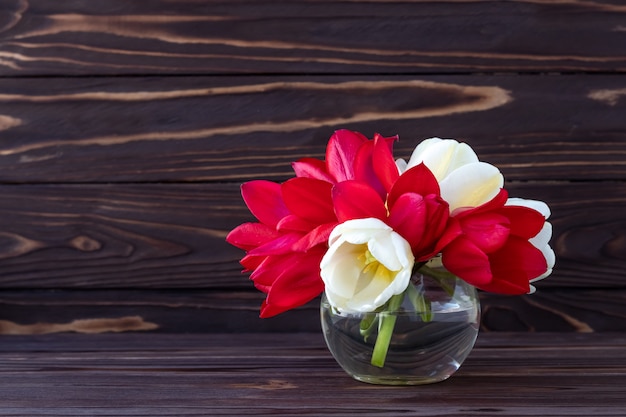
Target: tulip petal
[[341, 153], [408, 218], [299, 283], [488, 231], [340, 262], [450, 233], [265, 201], [443, 157], [278, 246], [417, 155], [402, 165], [525, 222], [378, 292], [358, 231], [471, 185], [250, 263], [295, 223], [496, 203], [516, 264], [537, 205], [384, 249], [541, 242], [266, 273], [364, 168], [550, 258], [543, 237], [467, 261], [268, 310], [384, 164], [515, 284], [357, 200], [374, 164], [417, 180], [250, 235], [312, 168], [315, 237], [309, 199]]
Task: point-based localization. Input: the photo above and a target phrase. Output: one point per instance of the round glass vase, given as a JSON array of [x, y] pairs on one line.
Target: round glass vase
[[422, 337]]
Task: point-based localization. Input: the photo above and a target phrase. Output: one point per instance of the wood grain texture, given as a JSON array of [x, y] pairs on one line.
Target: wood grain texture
[[127, 127], [173, 235], [583, 311], [225, 37], [29, 312], [235, 129], [128, 236], [295, 375]]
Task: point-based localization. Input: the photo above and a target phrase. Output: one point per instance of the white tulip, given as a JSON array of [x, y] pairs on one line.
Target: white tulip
[[366, 264], [464, 180], [442, 156], [542, 239]]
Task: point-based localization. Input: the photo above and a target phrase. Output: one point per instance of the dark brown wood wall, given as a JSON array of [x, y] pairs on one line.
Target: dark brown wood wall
[[126, 128]]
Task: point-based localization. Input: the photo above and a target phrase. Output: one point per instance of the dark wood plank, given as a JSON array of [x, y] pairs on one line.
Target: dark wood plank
[[588, 230], [555, 310], [173, 235], [189, 37], [131, 236], [240, 128], [114, 311], [29, 312], [294, 375]]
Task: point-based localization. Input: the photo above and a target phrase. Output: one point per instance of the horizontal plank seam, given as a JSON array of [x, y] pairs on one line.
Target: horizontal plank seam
[[321, 74]]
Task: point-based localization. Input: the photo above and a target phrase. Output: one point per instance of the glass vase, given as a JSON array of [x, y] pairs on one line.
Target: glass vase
[[423, 339]]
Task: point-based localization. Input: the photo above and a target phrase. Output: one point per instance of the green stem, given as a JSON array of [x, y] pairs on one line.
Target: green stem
[[387, 323], [381, 347]]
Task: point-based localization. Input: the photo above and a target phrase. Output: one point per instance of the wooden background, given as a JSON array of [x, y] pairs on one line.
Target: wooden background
[[126, 128]]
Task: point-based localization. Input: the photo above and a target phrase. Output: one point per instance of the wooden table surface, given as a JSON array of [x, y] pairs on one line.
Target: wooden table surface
[[507, 374]]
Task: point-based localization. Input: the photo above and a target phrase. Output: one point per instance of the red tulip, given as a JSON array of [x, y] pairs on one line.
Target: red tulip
[[492, 250], [285, 248], [349, 156]]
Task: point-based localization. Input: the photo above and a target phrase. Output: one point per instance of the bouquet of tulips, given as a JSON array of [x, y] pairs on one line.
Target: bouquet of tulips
[[358, 224]]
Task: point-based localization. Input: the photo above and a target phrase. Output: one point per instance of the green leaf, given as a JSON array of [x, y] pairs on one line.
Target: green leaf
[[368, 324]]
